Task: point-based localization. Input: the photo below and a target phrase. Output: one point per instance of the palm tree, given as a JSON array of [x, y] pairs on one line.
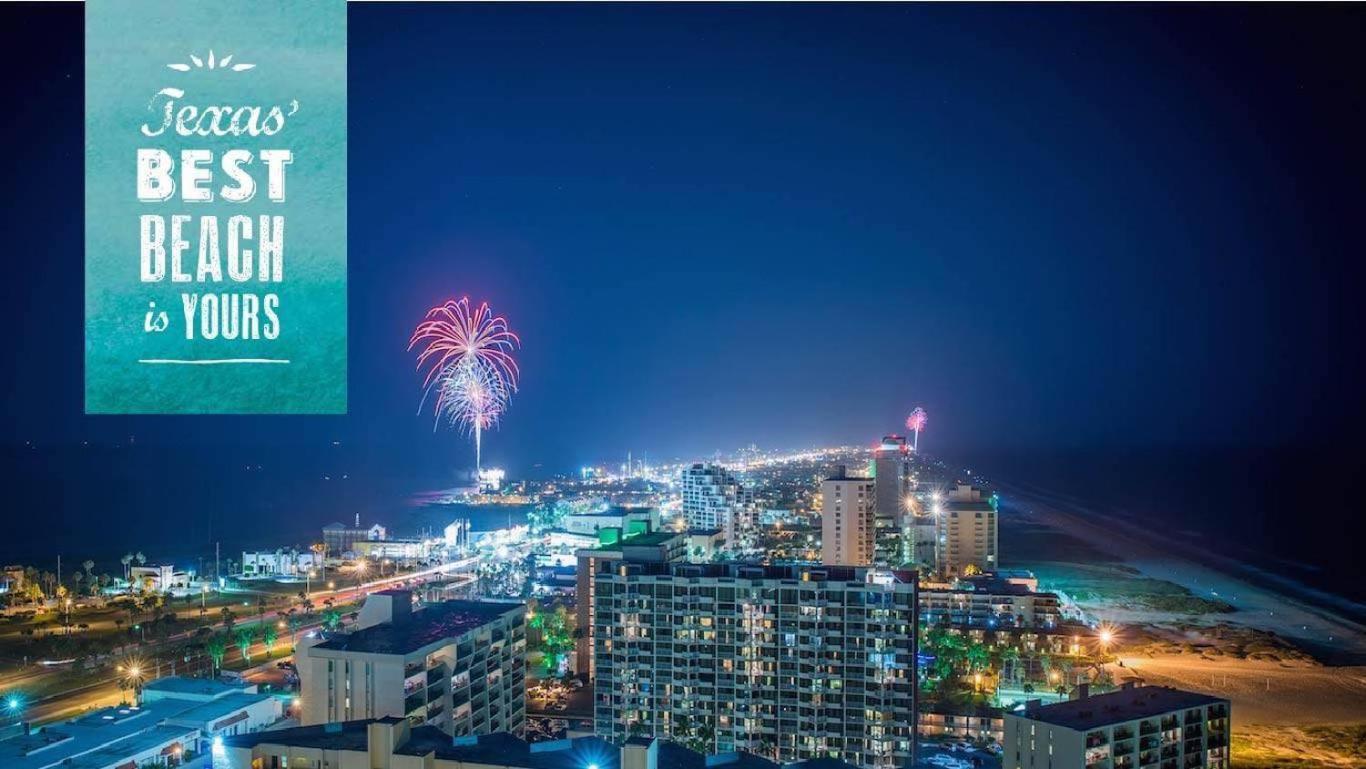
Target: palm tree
[[244, 638], [217, 647], [269, 636], [126, 560], [1010, 661], [294, 621]]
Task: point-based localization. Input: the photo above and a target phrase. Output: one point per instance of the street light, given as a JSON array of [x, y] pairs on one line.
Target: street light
[[133, 673], [1106, 636], [360, 574]]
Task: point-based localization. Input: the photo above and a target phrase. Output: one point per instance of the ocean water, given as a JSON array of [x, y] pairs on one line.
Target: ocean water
[[1291, 512]]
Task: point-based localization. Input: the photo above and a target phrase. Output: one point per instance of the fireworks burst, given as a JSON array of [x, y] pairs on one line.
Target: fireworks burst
[[915, 423], [470, 371], [453, 333], [471, 397]]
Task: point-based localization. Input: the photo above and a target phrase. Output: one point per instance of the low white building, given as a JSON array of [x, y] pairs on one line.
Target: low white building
[[158, 579], [282, 563], [403, 550], [179, 719]]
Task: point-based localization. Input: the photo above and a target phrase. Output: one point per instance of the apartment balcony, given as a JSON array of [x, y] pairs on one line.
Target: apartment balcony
[[436, 673], [414, 702]]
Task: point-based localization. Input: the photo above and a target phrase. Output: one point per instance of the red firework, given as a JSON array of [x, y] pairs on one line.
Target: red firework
[[916, 421], [453, 333]]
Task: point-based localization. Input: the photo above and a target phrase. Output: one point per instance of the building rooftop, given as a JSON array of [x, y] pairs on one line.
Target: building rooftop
[[990, 587], [645, 539], [445, 620], [810, 573], [506, 750], [1117, 707], [204, 687], [346, 735], [118, 753], [89, 733], [215, 709]]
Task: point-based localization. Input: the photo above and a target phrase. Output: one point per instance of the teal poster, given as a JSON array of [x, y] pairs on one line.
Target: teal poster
[[215, 211]]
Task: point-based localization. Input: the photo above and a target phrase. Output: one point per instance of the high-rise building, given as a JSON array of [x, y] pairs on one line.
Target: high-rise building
[[789, 662], [1136, 726], [714, 499], [614, 544], [967, 532], [848, 520], [891, 467], [457, 665]]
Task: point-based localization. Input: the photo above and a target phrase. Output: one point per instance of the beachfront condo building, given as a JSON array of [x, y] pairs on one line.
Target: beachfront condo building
[[848, 519], [990, 603], [615, 544], [788, 662], [456, 665], [1136, 727], [714, 499], [967, 535], [891, 468]]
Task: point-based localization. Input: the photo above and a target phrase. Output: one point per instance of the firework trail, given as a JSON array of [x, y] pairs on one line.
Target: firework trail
[[470, 371], [915, 423]]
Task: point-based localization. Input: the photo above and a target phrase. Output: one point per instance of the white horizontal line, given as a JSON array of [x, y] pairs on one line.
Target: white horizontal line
[[209, 361]]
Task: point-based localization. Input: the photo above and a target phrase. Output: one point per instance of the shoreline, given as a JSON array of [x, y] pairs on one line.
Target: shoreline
[[1327, 626]]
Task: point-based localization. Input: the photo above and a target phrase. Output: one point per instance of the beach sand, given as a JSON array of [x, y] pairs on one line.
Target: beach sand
[[1289, 709], [1324, 625]]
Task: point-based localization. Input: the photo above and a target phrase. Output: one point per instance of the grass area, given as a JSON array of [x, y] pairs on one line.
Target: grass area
[[1297, 747], [43, 686], [1120, 585], [1218, 642]]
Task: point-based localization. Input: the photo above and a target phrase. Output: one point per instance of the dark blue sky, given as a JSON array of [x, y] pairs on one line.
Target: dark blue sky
[[1054, 225]]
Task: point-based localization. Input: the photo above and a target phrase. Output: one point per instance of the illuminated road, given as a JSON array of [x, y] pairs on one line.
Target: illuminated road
[[67, 704]]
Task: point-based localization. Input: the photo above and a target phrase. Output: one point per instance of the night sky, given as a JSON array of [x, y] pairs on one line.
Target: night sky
[[1053, 226]]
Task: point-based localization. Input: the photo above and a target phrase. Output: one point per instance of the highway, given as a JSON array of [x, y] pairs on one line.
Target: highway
[[64, 705]]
